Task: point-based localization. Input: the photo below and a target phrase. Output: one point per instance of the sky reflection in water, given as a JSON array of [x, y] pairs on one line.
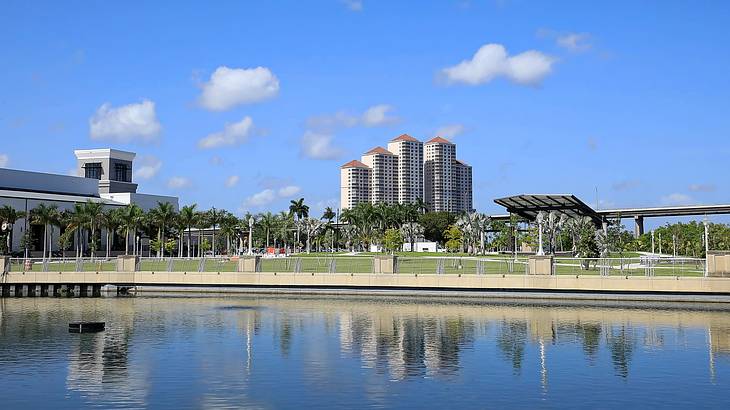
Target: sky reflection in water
[[267, 352]]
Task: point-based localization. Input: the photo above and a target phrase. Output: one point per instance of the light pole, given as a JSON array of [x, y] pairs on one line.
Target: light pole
[[250, 234], [214, 221], [652, 242], [706, 223], [540, 218]]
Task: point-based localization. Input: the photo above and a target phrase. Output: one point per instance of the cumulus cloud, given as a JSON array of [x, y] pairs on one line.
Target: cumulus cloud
[[319, 146], [288, 190], [232, 134], [232, 181], [677, 199], [269, 195], [574, 41], [375, 116], [178, 183], [702, 188], [492, 61], [147, 167], [353, 5], [4, 160], [229, 87], [378, 115], [132, 122], [450, 130]]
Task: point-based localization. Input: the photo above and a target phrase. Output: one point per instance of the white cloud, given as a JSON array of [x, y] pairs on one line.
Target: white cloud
[[288, 190], [377, 115], [492, 61], [147, 167], [4, 160], [126, 123], [574, 41], [451, 130], [229, 87], [677, 199], [232, 181], [353, 5], [319, 146], [269, 195], [178, 183], [262, 198], [702, 188], [232, 134]]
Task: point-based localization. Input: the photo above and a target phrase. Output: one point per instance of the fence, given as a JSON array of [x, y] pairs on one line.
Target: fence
[[643, 266]]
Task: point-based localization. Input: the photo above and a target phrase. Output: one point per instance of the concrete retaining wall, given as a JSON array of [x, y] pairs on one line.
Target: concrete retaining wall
[[557, 283]]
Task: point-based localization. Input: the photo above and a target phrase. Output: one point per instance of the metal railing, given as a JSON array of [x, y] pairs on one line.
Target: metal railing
[[641, 266], [63, 264], [636, 266]]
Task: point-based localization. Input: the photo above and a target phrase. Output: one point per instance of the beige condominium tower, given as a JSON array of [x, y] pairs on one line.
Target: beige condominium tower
[[406, 171]]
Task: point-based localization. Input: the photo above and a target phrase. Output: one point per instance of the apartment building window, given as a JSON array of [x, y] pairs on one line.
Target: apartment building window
[[92, 170], [122, 173]]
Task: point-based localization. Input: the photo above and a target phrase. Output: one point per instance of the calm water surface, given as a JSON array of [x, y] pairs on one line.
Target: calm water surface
[[278, 352]]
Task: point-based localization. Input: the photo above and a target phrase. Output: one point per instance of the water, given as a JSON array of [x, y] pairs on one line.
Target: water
[[279, 352]]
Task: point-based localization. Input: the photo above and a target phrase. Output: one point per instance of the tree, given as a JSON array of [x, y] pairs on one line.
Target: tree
[[111, 221], [412, 231], [162, 217], [92, 214], [44, 215], [393, 240], [453, 237], [311, 226], [187, 218], [299, 210], [9, 215], [435, 224], [130, 218], [267, 221]]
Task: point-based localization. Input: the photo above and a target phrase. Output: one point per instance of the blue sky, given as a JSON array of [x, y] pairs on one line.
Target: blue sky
[[630, 98]]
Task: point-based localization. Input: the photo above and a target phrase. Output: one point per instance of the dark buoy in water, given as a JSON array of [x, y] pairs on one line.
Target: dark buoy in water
[[86, 327]]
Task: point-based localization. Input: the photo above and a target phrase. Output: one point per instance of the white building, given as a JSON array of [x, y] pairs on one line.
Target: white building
[[406, 171], [104, 176]]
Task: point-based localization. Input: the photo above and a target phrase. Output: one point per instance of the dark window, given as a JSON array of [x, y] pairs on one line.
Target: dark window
[[93, 170], [121, 173]]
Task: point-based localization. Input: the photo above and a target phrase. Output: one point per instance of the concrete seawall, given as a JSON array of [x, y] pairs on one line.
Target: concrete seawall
[[718, 288]]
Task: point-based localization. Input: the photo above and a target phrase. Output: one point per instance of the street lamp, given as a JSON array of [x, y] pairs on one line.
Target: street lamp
[[706, 223], [250, 234]]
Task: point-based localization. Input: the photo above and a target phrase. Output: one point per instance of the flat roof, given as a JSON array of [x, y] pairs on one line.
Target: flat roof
[[529, 205], [41, 196], [104, 153]]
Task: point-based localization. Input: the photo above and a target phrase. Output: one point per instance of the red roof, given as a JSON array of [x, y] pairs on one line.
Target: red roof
[[404, 137], [379, 150], [354, 164], [438, 140]]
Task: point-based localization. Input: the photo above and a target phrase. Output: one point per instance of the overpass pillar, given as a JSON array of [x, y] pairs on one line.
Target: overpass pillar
[[638, 226]]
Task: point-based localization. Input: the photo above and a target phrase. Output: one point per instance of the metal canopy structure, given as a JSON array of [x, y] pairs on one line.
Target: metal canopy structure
[[529, 205]]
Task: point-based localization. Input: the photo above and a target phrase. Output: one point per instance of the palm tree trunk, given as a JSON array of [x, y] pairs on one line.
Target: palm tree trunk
[[45, 239]]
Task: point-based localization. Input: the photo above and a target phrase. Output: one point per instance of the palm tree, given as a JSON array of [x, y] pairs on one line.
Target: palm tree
[[214, 218], [162, 217], [130, 219], [92, 215], [229, 228], [44, 215], [299, 210], [329, 215], [268, 223], [187, 217], [9, 215], [411, 231], [421, 205], [201, 222], [111, 220], [311, 227]]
